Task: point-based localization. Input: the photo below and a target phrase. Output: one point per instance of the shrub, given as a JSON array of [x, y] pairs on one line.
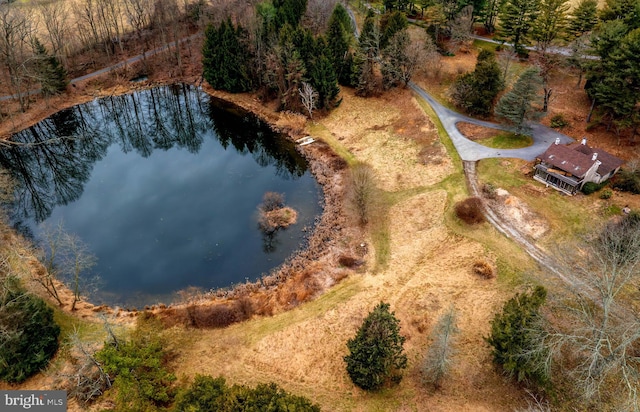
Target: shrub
[[348, 261], [28, 333], [138, 369], [591, 187], [628, 181], [470, 211], [489, 190], [272, 201], [484, 269], [516, 338], [376, 353], [606, 194], [209, 394], [558, 121]]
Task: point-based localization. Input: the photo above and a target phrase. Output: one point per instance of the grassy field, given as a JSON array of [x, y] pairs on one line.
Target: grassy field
[[507, 140], [420, 262]]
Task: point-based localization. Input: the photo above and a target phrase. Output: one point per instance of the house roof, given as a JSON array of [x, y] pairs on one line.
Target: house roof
[[609, 162], [577, 159]]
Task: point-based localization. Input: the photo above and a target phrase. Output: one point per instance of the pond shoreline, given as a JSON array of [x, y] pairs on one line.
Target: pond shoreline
[[302, 277]]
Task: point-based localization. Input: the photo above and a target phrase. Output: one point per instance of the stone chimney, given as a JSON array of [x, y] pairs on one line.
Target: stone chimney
[[557, 140], [583, 141], [595, 156]]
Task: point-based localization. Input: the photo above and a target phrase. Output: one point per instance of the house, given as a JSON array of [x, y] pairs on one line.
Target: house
[[568, 167]]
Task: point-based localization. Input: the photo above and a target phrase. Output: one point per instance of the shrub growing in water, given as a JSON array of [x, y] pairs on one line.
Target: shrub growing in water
[[29, 335]]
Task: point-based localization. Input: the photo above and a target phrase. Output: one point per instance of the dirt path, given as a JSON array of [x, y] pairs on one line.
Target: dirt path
[[510, 231]]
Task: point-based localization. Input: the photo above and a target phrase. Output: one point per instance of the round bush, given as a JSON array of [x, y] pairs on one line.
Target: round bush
[[30, 335], [470, 211]]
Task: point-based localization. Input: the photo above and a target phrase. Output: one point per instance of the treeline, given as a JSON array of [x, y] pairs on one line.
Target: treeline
[[282, 58], [41, 42], [601, 44]]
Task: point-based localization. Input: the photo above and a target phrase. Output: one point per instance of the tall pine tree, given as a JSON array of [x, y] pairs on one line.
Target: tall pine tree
[[476, 92], [376, 355], [50, 72], [225, 58], [519, 104], [583, 18], [516, 19]]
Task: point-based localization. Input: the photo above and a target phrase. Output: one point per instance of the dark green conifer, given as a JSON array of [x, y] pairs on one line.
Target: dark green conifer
[[376, 353], [50, 72], [225, 58]]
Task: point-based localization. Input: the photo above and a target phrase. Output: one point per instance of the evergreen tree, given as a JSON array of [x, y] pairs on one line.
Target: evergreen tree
[[225, 58], [583, 18], [518, 105], [338, 46], [325, 82], [342, 15], [390, 25], [213, 395], [395, 61], [289, 12], [28, 333], [490, 14], [516, 19], [362, 69], [613, 81], [51, 74], [376, 353], [627, 11], [516, 338], [476, 92], [551, 22], [439, 356]]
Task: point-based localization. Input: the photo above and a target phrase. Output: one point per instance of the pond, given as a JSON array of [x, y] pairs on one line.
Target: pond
[[163, 186]]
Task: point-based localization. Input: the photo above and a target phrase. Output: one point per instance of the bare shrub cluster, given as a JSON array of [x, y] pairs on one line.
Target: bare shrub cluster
[[470, 211], [274, 215], [483, 269]]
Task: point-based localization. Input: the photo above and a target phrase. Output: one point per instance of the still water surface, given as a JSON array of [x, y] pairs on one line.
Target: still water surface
[[163, 186]]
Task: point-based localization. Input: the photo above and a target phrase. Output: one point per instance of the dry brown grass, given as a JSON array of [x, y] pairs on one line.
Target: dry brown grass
[[300, 318]]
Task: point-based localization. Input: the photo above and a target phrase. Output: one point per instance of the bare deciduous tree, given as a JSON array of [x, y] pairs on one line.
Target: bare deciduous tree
[[362, 191], [65, 257], [442, 350], [89, 380], [460, 28], [604, 332], [75, 262], [16, 30], [309, 98], [55, 18], [318, 13]]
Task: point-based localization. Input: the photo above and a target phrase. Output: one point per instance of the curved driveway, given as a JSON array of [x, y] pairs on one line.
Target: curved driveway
[[468, 150]]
